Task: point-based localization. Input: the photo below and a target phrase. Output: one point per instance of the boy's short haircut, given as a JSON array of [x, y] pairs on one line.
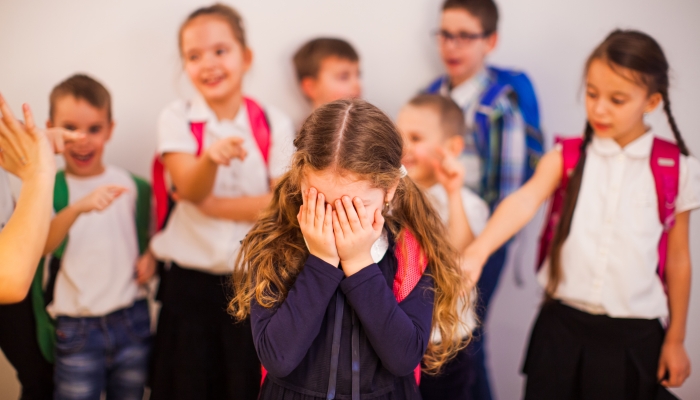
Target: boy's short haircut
[[485, 10], [307, 60], [82, 87], [451, 116]]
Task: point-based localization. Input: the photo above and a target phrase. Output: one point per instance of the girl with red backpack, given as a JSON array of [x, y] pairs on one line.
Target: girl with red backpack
[[348, 270], [617, 271], [223, 154]]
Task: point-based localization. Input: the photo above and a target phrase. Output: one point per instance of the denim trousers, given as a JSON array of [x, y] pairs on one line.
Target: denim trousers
[[108, 354]]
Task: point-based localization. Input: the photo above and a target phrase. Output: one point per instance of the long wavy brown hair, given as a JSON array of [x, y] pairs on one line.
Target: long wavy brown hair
[[349, 136]]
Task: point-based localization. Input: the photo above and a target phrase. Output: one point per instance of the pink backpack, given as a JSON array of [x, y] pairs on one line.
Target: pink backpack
[[261, 133], [664, 160]]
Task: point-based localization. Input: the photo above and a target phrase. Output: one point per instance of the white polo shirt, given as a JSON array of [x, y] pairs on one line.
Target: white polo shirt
[[7, 203], [98, 267], [192, 239], [609, 259], [477, 214]]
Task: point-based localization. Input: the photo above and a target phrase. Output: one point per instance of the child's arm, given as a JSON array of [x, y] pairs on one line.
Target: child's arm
[[244, 208], [514, 212], [674, 360], [25, 152], [399, 332], [450, 174], [98, 200], [194, 176]]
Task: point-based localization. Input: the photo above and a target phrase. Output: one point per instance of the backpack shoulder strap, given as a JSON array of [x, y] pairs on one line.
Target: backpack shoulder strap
[[45, 328], [665, 166], [197, 129], [411, 263], [523, 88], [260, 127], [143, 212], [60, 201], [434, 87], [160, 190], [571, 153]]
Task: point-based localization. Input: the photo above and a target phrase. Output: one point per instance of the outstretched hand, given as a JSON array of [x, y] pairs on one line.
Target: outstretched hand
[[448, 171], [100, 198], [58, 137], [472, 263], [24, 150], [225, 150]]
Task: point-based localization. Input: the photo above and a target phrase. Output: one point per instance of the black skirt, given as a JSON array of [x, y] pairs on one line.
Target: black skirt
[[199, 351], [576, 355]]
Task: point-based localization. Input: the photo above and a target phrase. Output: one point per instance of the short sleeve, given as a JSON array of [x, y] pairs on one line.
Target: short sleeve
[[476, 209], [688, 185], [174, 135], [282, 142]]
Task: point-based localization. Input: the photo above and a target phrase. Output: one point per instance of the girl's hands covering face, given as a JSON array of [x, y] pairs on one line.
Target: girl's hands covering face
[[316, 225], [355, 233]]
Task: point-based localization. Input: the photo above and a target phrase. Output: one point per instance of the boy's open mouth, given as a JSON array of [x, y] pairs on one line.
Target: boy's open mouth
[[82, 159]]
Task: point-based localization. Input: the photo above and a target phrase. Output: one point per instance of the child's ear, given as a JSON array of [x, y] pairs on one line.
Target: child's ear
[[110, 128], [308, 87], [49, 123], [247, 59], [455, 145], [491, 42], [652, 102]]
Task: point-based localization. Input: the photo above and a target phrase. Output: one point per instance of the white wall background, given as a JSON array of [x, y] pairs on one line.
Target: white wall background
[[130, 45]]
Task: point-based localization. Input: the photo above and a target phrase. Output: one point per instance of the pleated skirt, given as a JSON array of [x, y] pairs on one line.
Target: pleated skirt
[[576, 355]]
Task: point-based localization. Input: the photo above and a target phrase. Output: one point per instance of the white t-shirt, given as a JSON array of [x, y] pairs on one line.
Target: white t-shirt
[[7, 203], [97, 274], [609, 259], [192, 239], [477, 214]]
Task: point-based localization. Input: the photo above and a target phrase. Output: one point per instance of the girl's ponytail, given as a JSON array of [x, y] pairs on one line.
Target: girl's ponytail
[[567, 216], [672, 122]]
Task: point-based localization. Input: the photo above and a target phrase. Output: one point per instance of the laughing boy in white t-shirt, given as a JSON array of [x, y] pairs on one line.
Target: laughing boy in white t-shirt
[[103, 327], [432, 127]]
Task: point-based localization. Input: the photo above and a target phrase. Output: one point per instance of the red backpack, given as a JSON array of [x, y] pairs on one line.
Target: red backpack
[[664, 160], [261, 132]]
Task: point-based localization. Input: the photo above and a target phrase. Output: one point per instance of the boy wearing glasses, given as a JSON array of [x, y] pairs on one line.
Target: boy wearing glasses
[[503, 144]]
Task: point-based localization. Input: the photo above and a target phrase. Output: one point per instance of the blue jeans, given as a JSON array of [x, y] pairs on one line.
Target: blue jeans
[[108, 354]]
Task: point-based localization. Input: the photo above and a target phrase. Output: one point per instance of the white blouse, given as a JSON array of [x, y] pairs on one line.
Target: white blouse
[[192, 239], [609, 259]]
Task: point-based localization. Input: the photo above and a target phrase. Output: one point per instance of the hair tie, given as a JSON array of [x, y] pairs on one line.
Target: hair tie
[[403, 171]]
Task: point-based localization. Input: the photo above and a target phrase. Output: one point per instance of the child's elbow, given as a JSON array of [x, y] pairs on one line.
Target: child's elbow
[[402, 366], [405, 362]]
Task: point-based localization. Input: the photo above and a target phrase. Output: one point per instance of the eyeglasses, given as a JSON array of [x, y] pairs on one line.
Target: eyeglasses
[[459, 38]]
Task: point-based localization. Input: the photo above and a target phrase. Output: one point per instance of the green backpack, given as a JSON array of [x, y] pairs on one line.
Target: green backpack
[[45, 325]]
